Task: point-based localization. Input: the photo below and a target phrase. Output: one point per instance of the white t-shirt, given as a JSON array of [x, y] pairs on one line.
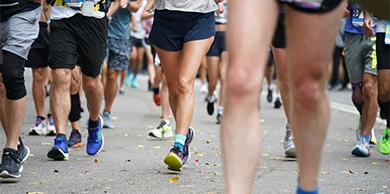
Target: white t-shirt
[[140, 34], [199, 6], [381, 26], [60, 12]]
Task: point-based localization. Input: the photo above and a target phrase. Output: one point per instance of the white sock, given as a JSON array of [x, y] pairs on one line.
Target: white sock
[[168, 122], [220, 110]]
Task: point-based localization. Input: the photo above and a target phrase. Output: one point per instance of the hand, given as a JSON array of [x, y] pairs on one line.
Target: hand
[[368, 26], [48, 27], [135, 29], [124, 3]]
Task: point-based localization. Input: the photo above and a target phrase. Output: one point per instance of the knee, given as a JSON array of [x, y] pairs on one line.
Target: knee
[[185, 86], [241, 82], [369, 89], [61, 77], [306, 92], [91, 83], [38, 76], [14, 82], [384, 93]]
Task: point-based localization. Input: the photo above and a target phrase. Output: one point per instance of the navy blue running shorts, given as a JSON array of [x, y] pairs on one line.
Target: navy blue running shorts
[[171, 29], [218, 46]]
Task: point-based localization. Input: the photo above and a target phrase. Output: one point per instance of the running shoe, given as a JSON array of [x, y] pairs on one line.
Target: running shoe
[[219, 117], [108, 122], [121, 90], [157, 99], [362, 148], [277, 103], [127, 81], [12, 161], [74, 140], [187, 152], [134, 83], [51, 129], [384, 145], [289, 146], [39, 127], [95, 141], [270, 95], [175, 159], [359, 131], [60, 149], [210, 104], [161, 131]]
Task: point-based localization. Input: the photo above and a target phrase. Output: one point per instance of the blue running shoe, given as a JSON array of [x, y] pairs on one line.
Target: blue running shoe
[[107, 118], [187, 152], [127, 80], [95, 138], [60, 149], [362, 148]]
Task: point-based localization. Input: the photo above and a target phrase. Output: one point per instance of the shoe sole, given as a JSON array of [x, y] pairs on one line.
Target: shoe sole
[[93, 154], [358, 153], [57, 154], [291, 152], [6, 174], [173, 162], [77, 145], [108, 127]]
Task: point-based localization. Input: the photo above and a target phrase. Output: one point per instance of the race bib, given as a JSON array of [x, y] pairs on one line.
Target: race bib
[[74, 3], [357, 17], [387, 32]]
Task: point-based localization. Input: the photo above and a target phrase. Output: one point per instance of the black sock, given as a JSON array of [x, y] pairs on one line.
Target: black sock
[[49, 115], [40, 117], [156, 90], [93, 124], [75, 110], [358, 105], [385, 109]]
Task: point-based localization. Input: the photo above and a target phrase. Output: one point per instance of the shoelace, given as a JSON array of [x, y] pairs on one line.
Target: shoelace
[[51, 121], [38, 121], [162, 123]]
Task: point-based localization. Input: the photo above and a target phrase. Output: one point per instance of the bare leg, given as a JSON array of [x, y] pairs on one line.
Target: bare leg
[[222, 77], [60, 98], [247, 61], [370, 106], [307, 67], [111, 91], [38, 90], [166, 109], [213, 73], [93, 89]]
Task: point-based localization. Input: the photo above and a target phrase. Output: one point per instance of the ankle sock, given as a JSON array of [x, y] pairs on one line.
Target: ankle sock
[[220, 110], [129, 72], [42, 118], [93, 124], [301, 191], [156, 90], [365, 137], [179, 141], [168, 122]]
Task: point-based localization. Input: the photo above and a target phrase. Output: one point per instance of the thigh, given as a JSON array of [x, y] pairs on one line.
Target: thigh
[[306, 59], [383, 51]]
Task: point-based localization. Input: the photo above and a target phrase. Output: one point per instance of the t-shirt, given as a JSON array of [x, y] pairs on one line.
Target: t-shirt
[[140, 34], [354, 21], [199, 6], [221, 18], [381, 26], [59, 11], [119, 26], [8, 8]]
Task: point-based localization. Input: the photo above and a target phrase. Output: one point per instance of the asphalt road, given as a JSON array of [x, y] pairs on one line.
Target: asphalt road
[[131, 162]]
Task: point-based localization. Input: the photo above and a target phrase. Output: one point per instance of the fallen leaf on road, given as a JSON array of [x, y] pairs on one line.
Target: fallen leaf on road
[[216, 173], [131, 183], [140, 146], [365, 172], [55, 171], [46, 144], [264, 154], [208, 141], [344, 159], [157, 147], [33, 192], [374, 163], [385, 187], [326, 173], [350, 171], [346, 140], [96, 160], [126, 135], [173, 179], [359, 189], [31, 155], [128, 160], [200, 155]]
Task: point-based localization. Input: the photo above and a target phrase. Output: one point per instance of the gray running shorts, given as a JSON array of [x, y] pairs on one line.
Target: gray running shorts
[[24, 31], [360, 56]]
